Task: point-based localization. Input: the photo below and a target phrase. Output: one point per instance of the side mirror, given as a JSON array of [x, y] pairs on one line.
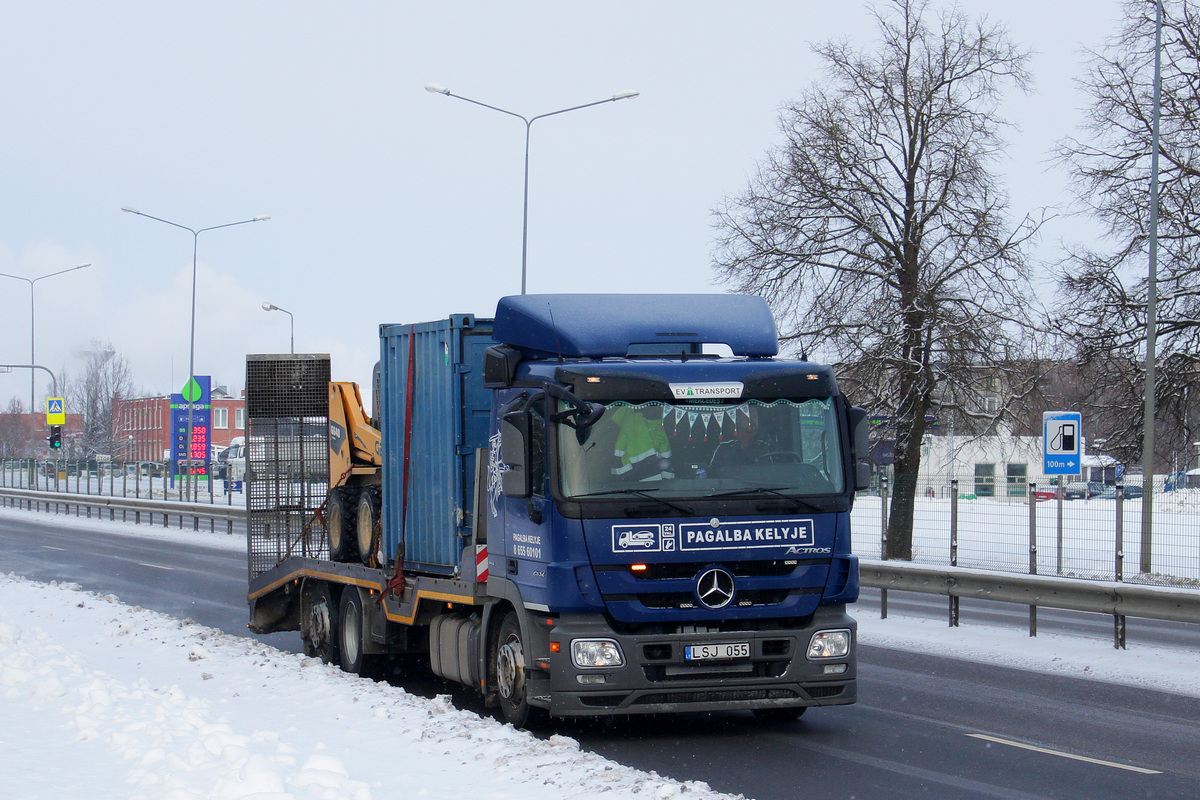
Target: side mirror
[[860, 429], [515, 480], [862, 476]]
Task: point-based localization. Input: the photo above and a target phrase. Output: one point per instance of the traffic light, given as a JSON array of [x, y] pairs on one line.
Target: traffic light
[[56, 437]]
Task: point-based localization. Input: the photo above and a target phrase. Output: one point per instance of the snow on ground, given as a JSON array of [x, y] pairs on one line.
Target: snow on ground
[[103, 699], [110, 700]]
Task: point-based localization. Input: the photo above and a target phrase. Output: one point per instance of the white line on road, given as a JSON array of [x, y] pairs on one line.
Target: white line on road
[[48, 547], [1061, 754], [156, 566]]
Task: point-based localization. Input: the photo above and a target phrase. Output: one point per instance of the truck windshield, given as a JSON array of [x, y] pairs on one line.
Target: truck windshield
[[687, 450]]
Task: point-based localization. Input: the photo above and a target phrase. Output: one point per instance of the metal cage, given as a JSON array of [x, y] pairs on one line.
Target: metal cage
[[287, 457]]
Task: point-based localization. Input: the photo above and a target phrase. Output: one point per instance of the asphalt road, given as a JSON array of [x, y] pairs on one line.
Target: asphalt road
[[925, 727]]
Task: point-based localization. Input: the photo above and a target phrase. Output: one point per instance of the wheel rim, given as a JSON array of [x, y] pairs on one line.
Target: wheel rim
[[319, 614], [366, 528], [510, 669], [335, 527], [351, 632]]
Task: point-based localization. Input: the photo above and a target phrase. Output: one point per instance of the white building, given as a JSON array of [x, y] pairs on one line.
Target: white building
[[996, 466]]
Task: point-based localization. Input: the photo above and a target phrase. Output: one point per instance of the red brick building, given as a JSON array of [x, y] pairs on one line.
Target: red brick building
[[144, 424], [14, 434]]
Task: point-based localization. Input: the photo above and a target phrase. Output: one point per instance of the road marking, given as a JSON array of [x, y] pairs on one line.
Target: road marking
[[1061, 754], [48, 547], [156, 566]]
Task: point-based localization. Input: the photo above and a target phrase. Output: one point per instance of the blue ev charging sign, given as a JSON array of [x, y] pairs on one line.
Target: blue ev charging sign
[[1062, 443]]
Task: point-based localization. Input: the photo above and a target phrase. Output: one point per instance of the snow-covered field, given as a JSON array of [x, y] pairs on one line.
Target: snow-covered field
[[102, 699], [994, 534]]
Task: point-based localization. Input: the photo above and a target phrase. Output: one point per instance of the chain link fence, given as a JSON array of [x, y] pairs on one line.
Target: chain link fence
[[1093, 533], [1097, 535], [147, 480]]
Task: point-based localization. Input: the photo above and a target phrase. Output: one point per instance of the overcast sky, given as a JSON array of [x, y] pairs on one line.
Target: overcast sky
[[389, 203]]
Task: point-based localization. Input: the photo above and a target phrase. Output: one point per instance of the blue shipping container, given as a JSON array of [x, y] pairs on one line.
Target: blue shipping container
[[450, 410]]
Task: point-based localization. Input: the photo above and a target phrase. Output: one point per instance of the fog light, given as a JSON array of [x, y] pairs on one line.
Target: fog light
[[588, 680], [833, 669], [829, 644], [587, 653]]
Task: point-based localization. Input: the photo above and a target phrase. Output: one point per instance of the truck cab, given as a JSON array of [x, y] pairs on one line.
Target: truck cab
[[662, 519]]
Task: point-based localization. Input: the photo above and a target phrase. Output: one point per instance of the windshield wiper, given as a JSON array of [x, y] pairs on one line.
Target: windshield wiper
[[777, 492], [640, 493]]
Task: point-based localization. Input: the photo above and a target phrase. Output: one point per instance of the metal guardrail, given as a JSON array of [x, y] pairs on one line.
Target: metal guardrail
[[1117, 598], [166, 509]]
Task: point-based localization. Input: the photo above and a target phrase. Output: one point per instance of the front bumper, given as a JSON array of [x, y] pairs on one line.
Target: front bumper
[[656, 678]]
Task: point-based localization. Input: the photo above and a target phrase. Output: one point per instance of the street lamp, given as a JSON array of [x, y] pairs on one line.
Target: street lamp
[[436, 89], [291, 320], [192, 341], [32, 350], [1151, 309]]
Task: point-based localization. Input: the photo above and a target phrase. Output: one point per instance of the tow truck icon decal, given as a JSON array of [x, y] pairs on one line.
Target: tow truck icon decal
[[643, 538]]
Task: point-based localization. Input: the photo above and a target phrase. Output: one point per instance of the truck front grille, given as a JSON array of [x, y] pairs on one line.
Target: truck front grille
[[687, 600]]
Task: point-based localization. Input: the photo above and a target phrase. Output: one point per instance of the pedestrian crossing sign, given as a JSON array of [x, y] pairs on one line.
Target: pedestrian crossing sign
[[55, 411]]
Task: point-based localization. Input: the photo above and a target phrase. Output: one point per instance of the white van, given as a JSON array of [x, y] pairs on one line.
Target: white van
[[230, 465]]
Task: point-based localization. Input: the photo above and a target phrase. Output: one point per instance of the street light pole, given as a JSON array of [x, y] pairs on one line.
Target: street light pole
[[192, 339], [436, 89], [32, 348], [291, 320], [1151, 311]]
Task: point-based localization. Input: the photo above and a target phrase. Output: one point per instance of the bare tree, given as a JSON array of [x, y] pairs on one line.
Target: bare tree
[[879, 231], [1105, 290], [106, 378], [14, 430]]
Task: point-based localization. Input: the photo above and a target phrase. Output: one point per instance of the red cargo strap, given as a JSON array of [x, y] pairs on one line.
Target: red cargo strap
[[408, 407], [396, 584]]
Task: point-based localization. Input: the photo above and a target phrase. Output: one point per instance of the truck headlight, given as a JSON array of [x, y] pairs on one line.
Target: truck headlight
[[829, 644], [596, 653]]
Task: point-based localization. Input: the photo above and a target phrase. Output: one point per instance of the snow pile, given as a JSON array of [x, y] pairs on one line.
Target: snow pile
[[101, 699]]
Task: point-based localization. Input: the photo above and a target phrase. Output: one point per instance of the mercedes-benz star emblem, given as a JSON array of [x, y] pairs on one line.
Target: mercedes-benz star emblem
[[714, 588]]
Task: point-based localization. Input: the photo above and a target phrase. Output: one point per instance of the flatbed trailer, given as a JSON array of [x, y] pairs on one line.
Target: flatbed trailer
[[525, 546]]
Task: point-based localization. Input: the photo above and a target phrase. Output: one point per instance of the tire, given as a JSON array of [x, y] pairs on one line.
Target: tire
[[318, 628], [340, 516], [367, 524], [780, 714], [351, 633], [508, 661]]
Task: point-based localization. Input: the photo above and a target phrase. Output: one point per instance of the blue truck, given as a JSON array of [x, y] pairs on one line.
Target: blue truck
[[588, 505]]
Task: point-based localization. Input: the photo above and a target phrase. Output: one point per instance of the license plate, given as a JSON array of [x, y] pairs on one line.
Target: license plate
[[716, 652]]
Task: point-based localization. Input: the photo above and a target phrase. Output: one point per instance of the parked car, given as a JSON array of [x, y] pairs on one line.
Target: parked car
[[1083, 490], [147, 469], [1132, 491]]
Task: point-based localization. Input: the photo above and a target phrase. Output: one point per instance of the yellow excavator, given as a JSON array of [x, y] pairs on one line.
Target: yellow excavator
[[355, 478]]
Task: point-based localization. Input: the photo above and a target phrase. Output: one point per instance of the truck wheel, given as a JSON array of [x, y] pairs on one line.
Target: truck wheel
[[351, 628], [780, 714], [340, 517], [318, 629], [369, 504], [508, 661]]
